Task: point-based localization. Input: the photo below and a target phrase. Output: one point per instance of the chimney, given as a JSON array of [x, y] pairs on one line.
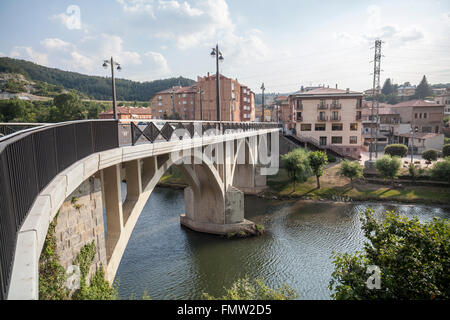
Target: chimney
[[347, 91], [302, 89], [336, 85], [208, 74]]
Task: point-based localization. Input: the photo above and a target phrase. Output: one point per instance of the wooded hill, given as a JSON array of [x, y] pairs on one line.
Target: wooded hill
[[93, 86]]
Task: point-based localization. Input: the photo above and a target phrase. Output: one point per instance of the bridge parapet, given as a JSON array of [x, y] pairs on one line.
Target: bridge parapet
[[55, 159]]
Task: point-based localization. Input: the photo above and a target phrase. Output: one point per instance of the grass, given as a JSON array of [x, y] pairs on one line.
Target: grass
[[334, 185]]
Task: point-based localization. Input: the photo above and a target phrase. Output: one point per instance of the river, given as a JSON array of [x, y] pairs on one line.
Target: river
[[171, 262]]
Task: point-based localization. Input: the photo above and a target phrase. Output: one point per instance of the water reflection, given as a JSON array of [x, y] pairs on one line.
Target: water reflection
[[171, 262]]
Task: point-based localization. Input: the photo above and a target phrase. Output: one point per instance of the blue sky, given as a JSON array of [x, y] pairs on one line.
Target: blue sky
[[284, 43]]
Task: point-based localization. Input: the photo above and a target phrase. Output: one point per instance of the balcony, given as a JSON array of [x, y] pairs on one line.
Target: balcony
[[335, 106], [299, 106], [335, 118], [299, 119], [322, 106], [358, 117], [322, 118]]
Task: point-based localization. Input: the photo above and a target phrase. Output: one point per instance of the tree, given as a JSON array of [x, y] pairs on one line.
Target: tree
[[412, 257], [441, 170], [446, 150], [388, 167], [430, 155], [351, 170], [423, 90], [317, 161], [297, 165], [68, 107], [396, 150], [244, 289], [413, 171], [387, 87]]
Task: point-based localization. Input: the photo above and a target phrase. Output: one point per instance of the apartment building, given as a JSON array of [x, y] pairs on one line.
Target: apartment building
[[406, 91], [444, 99], [128, 113], [237, 102], [180, 99], [330, 117]]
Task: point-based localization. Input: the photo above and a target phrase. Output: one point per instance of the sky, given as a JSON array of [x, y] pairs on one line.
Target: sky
[[284, 44]]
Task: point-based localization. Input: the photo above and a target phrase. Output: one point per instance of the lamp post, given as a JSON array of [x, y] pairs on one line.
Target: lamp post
[[172, 96], [413, 129], [113, 64], [232, 100], [262, 107], [218, 55]]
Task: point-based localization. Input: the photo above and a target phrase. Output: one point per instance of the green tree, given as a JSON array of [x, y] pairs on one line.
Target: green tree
[[446, 150], [244, 289], [387, 87], [69, 107], [413, 171], [396, 150], [351, 170], [430, 155], [423, 90], [317, 161], [441, 170], [297, 165], [388, 167], [413, 259]]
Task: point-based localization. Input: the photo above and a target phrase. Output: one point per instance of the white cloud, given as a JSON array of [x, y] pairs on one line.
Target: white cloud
[[71, 19], [160, 62], [55, 44], [28, 53]]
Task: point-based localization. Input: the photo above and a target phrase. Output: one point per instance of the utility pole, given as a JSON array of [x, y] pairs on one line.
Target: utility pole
[[376, 86], [262, 107]]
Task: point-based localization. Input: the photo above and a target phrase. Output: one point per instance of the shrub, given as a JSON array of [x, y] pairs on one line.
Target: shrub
[[388, 167], [446, 150], [441, 170], [244, 289], [412, 258], [396, 150], [331, 158], [430, 155]]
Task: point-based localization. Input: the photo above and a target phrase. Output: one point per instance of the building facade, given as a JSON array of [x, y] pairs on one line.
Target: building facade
[[331, 117], [444, 99], [128, 113], [182, 100]]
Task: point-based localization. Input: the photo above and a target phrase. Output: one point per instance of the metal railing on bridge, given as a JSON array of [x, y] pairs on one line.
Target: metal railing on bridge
[[7, 128], [30, 159]]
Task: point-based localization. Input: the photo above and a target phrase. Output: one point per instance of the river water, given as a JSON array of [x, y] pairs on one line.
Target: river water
[[171, 262]]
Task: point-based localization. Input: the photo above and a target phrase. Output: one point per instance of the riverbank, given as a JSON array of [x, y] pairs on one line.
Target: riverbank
[[334, 187]]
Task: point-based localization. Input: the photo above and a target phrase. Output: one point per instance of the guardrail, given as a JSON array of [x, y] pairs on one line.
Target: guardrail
[[29, 160]]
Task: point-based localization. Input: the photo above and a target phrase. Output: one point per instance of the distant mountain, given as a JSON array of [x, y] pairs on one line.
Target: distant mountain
[[95, 87]]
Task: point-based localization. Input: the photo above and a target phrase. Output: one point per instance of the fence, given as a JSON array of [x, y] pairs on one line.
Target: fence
[[29, 160]]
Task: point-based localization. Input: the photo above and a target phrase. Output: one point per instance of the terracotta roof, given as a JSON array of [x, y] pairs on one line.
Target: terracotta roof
[[417, 103], [129, 110], [178, 89]]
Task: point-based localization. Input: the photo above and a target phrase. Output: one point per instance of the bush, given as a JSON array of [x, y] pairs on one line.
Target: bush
[[412, 258], [331, 158], [430, 155], [441, 170], [396, 150], [446, 150], [388, 167], [244, 289]]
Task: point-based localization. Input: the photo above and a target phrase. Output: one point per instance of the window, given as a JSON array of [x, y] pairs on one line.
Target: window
[[184, 95], [336, 140], [299, 116], [426, 129], [336, 127], [353, 126], [424, 115], [184, 102], [322, 115], [353, 140], [305, 127], [415, 115], [320, 127]]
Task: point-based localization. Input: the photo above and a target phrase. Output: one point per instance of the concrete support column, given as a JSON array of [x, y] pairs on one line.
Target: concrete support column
[[134, 187], [149, 167], [248, 178], [112, 195]]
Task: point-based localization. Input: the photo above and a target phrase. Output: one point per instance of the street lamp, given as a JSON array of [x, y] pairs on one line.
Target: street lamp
[[412, 130], [262, 107], [232, 100], [119, 68], [218, 55]]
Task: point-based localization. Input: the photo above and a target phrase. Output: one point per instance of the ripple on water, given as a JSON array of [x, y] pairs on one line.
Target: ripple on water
[[171, 262]]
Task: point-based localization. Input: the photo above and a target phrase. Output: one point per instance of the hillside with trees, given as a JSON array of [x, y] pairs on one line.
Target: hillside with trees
[[94, 87]]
